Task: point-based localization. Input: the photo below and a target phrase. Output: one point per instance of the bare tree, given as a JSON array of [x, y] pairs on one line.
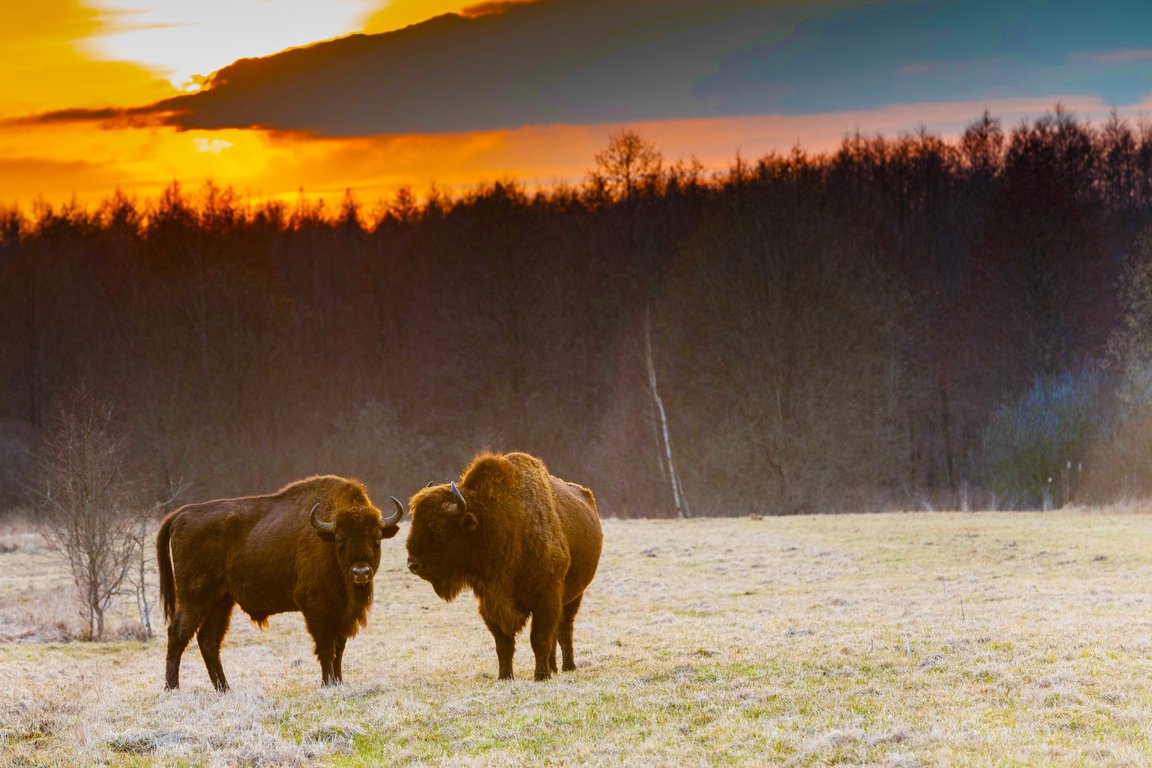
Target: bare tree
[[137, 576], [629, 169], [627, 166], [673, 478], [88, 512]]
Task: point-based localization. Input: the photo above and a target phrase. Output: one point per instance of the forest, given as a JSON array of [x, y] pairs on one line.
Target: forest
[[901, 323]]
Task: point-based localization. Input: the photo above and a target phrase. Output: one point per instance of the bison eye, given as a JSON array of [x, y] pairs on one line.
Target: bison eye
[[437, 526]]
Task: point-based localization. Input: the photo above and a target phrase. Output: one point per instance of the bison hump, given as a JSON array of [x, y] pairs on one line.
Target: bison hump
[[490, 472]]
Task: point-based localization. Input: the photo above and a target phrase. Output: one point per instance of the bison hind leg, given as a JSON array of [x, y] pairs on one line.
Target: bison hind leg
[[181, 627], [211, 636], [545, 624], [564, 634]]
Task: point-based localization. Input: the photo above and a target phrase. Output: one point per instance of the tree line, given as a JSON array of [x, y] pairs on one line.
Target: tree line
[[900, 323]]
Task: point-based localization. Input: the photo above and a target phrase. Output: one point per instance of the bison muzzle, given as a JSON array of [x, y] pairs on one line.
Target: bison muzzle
[[313, 547], [526, 543]]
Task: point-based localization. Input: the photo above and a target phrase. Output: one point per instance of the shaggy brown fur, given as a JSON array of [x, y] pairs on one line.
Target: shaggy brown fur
[[526, 543], [264, 554]]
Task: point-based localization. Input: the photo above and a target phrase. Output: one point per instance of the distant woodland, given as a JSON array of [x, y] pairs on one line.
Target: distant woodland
[[906, 322]]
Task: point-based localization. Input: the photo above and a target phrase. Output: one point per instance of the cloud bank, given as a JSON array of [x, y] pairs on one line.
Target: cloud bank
[[580, 62]]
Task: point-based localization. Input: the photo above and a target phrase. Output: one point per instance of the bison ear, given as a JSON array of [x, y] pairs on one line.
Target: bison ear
[[389, 532], [469, 522]]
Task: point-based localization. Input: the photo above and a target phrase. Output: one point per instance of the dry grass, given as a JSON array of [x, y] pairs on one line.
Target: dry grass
[[903, 639]]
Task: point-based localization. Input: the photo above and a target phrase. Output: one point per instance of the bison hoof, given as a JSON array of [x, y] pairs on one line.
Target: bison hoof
[[569, 666], [543, 676]]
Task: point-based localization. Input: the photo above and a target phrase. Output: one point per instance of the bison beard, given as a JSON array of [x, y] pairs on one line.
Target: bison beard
[[525, 542], [313, 547]]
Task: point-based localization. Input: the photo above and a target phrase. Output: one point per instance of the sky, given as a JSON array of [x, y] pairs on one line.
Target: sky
[[279, 98]]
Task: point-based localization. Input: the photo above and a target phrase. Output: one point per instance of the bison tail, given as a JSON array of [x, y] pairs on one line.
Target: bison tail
[[164, 567]]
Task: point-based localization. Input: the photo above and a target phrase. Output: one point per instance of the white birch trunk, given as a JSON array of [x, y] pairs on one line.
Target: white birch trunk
[[673, 476]]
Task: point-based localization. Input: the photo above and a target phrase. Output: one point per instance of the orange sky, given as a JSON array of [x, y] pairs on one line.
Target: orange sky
[[87, 54], [97, 53]]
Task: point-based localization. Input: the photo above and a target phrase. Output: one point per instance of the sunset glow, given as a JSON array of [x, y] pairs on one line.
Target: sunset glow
[[75, 55], [397, 14], [188, 41], [74, 162], [44, 49]]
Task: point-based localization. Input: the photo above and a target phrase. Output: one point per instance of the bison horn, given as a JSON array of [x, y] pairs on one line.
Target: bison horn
[[393, 519], [455, 490], [318, 524]]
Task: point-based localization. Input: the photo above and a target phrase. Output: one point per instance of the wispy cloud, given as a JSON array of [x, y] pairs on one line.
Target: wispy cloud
[[918, 68], [108, 117], [1112, 57]]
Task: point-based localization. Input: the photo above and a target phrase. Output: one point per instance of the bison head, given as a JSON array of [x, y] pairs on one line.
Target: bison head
[[441, 539], [356, 533]]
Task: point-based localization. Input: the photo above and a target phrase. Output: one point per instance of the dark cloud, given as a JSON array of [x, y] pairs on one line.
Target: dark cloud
[[120, 117], [512, 64], [557, 61]]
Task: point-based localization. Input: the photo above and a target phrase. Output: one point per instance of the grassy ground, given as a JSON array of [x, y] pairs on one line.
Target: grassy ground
[[902, 640]]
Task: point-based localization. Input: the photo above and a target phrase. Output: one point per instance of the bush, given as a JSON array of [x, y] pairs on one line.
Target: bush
[[1034, 449], [87, 506]]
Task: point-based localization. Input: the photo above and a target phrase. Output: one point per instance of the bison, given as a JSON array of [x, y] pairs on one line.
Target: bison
[[525, 542], [313, 546]]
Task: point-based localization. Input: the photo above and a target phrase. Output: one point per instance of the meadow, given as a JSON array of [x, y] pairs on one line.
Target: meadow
[[912, 639]]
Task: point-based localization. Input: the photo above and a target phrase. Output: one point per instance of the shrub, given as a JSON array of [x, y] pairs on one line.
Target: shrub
[[1034, 449], [87, 506]]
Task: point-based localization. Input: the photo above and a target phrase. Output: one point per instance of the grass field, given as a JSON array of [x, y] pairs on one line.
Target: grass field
[[898, 639]]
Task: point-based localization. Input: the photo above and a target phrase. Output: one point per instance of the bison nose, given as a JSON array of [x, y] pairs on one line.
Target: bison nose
[[361, 571], [413, 565]]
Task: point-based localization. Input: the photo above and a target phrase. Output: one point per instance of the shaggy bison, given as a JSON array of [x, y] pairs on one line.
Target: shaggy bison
[[525, 542], [313, 546]]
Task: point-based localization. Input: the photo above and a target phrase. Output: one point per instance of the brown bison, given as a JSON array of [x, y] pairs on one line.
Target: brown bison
[[525, 542], [313, 546]]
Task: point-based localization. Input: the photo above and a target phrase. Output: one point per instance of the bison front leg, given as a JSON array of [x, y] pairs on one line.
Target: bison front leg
[[325, 640], [338, 658], [505, 649]]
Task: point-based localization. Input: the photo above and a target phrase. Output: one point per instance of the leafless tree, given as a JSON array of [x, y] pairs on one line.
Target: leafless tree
[[667, 464], [87, 506], [627, 166], [627, 170]]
